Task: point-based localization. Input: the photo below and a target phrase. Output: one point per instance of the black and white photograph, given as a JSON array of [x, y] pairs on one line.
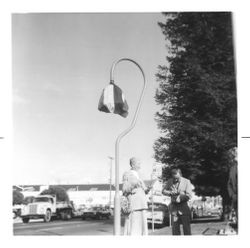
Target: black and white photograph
[[124, 123]]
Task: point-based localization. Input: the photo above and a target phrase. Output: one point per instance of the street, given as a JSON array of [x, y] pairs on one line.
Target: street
[[58, 227], [101, 227]]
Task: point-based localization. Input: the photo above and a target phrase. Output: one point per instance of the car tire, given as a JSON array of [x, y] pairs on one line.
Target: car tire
[[47, 217], [25, 220]]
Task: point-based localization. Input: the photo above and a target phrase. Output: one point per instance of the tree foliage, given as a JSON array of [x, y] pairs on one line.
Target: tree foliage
[[17, 197], [60, 193], [197, 95]]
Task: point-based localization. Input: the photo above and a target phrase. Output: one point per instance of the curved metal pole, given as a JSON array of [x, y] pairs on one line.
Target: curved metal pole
[[117, 214]]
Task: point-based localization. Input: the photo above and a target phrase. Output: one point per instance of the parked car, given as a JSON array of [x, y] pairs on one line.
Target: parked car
[[198, 212], [159, 214], [96, 213]]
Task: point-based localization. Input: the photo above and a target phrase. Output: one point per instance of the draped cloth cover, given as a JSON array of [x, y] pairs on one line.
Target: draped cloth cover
[[113, 101]]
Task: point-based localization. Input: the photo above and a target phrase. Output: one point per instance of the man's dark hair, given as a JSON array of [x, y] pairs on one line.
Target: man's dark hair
[[175, 170]]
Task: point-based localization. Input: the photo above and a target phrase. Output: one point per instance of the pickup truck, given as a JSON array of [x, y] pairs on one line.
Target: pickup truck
[[47, 207]]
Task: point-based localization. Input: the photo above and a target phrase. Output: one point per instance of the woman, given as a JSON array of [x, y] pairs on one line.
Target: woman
[[134, 188]]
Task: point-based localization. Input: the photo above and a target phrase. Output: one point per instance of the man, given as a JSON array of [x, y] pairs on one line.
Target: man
[[180, 191]]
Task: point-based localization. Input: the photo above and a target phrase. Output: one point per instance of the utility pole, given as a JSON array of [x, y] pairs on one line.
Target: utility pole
[[152, 204]]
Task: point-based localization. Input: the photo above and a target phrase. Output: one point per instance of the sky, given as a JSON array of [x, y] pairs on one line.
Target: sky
[[60, 65]]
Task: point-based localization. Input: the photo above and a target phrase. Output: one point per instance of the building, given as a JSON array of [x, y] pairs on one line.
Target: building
[[91, 194]]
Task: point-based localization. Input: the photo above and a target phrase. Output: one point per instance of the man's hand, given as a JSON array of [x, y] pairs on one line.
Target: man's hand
[[184, 197], [170, 192], [166, 192]]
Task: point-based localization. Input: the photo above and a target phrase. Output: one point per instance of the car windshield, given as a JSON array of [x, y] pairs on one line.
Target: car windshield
[[42, 199]]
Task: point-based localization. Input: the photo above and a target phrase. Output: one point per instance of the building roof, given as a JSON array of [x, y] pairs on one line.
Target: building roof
[[27, 187]]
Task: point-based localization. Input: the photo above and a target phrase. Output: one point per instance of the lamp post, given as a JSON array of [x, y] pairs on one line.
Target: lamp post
[[110, 180], [117, 214]]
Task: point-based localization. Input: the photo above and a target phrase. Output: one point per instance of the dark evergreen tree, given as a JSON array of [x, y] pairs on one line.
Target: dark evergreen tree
[[197, 95]]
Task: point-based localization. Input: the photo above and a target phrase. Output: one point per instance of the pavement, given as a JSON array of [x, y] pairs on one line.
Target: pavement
[[101, 227], [197, 228]]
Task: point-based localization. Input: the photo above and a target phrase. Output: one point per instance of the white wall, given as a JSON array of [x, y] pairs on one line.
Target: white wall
[[91, 197]]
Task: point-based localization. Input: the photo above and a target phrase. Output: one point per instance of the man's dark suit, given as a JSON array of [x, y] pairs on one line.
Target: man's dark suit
[[180, 211]]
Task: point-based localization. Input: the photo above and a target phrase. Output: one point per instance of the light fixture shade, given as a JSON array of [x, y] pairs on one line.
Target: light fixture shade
[[113, 101]]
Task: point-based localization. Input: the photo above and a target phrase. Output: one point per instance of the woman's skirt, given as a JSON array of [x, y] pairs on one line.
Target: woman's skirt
[[136, 223]]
